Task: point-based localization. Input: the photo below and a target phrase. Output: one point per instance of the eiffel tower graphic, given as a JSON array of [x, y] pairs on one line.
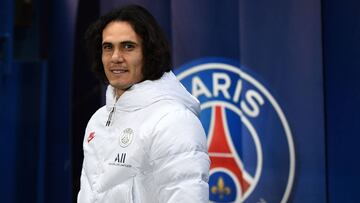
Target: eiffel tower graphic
[[223, 153]]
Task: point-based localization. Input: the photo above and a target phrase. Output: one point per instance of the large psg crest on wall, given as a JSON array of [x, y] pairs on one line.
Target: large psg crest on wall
[[249, 140]]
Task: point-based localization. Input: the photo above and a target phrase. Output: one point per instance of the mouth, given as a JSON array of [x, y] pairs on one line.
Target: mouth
[[118, 71]]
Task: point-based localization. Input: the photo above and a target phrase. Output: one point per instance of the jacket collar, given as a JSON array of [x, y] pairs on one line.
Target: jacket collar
[[148, 92]]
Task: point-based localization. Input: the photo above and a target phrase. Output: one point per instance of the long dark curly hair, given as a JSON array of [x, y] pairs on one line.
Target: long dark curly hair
[[155, 47]]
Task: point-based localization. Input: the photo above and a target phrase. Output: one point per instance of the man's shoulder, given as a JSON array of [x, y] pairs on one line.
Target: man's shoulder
[[169, 105], [101, 112]]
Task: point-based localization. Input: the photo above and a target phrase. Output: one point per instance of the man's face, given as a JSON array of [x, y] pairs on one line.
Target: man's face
[[122, 55]]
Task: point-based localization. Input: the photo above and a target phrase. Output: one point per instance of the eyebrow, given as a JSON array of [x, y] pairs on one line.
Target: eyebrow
[[104, 43], [123, 42], [128, 42]]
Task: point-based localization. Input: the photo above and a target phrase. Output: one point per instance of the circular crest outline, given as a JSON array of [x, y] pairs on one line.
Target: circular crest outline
[[210, 63]]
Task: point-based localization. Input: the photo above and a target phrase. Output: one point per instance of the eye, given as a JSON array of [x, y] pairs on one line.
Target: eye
[[107, 46], [129, 46]]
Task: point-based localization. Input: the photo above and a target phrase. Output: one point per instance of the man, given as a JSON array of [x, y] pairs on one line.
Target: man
[[147, 143]]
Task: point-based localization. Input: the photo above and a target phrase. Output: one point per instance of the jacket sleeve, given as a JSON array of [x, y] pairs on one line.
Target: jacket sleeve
[[180, 160], [84, 193]]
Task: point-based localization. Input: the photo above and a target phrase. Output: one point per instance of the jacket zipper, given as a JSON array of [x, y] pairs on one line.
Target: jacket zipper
[[108, 122]]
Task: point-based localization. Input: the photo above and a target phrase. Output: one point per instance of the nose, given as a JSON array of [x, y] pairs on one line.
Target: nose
[[117, 56]]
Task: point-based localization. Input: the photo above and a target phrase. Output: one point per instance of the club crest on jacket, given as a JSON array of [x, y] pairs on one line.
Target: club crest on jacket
[[126, 137]]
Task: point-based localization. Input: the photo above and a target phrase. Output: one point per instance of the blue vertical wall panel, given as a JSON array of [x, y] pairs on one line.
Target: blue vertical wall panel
[[341, 30], [282, 41], [58, 168], [21, 124], [29, 126], [6, 37], [9, 97], [36, 154]]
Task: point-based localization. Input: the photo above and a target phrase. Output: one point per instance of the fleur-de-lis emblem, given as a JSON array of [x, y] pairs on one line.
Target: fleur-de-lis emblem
[[220, 188]]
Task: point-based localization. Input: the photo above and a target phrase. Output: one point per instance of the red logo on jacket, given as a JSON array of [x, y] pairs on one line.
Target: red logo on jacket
[[91, 136]]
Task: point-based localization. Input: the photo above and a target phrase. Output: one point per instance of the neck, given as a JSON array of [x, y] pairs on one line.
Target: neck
[[118, 93]]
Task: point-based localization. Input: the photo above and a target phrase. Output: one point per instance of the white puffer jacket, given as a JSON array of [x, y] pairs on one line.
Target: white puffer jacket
[[152, 151]]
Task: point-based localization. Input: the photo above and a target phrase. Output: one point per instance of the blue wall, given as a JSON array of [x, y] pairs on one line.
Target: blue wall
[[341, 39], [35, 101], [306, 51]]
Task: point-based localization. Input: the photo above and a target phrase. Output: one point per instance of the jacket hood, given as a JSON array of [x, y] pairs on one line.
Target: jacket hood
[[148, 92]]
